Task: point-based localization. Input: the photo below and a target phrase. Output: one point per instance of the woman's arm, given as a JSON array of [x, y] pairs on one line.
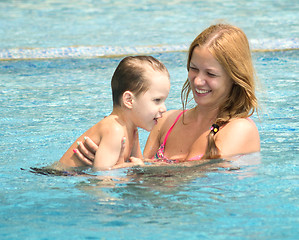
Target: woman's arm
[[152, 143], [136, 150], [239, 136]]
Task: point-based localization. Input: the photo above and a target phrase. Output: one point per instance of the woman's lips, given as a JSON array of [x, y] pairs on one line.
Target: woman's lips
[[202, 91]]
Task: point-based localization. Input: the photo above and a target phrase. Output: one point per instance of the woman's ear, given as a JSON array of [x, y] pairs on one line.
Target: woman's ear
[[128, 99]]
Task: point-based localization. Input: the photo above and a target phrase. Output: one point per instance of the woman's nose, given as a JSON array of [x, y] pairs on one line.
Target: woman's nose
[[199, 79]]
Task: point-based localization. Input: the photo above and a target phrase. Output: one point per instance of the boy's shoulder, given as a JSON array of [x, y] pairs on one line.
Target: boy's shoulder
[[110, 124]]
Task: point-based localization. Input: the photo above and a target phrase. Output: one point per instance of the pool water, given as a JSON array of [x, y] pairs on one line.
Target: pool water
[[46, 102]]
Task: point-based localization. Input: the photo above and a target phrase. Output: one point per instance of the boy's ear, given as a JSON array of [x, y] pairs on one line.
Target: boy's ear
[[128, 99]]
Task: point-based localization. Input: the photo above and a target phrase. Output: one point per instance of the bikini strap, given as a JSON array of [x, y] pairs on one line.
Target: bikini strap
[[170, 129]]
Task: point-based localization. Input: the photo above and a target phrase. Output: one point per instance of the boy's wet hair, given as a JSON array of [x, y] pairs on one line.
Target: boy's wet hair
[[130, 76]]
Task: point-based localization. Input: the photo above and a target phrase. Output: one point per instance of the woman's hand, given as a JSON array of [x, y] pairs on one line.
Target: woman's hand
[[86, 151]]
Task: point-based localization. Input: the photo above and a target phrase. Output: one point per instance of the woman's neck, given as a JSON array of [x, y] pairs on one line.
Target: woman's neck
[[205, 115]]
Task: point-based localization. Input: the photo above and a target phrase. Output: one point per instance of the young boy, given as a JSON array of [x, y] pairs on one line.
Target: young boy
[[140, 86]]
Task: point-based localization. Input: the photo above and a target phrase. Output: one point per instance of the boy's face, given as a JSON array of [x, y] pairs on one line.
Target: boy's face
[[150, 105]]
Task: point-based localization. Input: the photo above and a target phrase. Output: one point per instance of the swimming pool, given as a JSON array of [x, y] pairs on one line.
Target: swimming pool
[[47, 101]]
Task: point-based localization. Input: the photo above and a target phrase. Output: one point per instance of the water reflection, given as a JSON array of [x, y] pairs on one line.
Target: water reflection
[[165, 183]]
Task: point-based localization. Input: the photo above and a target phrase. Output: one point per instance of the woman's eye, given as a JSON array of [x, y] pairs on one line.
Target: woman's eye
[[193, 68], [211, 74]]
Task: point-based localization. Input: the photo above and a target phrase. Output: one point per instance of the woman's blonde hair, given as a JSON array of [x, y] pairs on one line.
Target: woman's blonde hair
[[229, 45]]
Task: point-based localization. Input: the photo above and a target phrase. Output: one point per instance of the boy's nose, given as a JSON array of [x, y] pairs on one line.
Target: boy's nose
[[163, 108]]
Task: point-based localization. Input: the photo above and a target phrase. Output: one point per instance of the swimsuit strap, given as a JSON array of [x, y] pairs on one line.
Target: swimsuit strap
[[170, 129]]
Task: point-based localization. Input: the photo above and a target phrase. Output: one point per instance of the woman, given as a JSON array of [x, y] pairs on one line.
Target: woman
[[221, 79]]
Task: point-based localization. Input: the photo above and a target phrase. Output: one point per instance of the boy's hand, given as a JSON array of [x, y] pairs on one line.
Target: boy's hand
[[133, 161], [136, 161]]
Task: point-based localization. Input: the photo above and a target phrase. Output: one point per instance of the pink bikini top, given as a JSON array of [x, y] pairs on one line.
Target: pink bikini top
[[160, 153], [160, 157]]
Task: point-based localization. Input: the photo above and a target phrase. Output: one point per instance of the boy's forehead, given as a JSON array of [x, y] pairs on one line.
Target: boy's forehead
[[156, 76], [149, 71], [158, 79], [148, 68]]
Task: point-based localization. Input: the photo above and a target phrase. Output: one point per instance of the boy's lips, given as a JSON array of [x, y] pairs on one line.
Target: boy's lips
[[156, 119]]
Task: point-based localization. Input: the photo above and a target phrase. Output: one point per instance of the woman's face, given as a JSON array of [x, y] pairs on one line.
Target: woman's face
[[209, 82]]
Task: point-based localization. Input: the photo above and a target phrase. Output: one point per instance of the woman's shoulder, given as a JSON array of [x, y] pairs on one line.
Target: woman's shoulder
[[172, 113], [241, 123], [239, 127], [169, 117], [166, 121], [240, 135]]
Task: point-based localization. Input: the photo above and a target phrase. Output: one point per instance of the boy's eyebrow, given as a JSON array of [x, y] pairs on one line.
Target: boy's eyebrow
[[159, 96]]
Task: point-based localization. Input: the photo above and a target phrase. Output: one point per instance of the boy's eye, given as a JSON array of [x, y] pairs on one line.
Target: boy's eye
[[157, 100]]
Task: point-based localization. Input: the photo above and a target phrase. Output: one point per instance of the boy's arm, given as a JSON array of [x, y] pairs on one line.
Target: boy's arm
[[110, 150]]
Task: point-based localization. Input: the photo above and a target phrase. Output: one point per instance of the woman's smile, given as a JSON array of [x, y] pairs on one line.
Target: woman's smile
[[208, 80], [202, 91]]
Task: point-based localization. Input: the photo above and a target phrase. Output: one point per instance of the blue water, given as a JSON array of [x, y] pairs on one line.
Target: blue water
[[47, 103]]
